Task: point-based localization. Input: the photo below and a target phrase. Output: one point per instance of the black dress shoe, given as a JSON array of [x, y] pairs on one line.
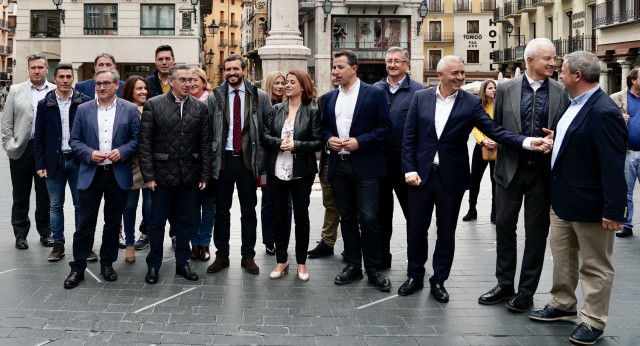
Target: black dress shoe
[[410, 287], [270, 250], [321, 250], [46, 241], [471, 215], [385, 261], [496, 295], [550, 314], [348, 275], [108, 273], [21, 243], [439, 293], [380, 281], [73, 280], [521, 302], [187, 273], [152, 276], [625, 232], [585, 334]]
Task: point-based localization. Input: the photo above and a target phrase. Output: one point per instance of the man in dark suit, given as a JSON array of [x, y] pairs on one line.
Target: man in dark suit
[[435, 161], [102, 61], [159, 79], [104, 137], [588, 199], [54, 159], [527, 105], [356, 124]]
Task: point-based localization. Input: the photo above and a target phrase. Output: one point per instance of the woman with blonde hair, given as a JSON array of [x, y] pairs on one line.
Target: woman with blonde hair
[[200, 88]]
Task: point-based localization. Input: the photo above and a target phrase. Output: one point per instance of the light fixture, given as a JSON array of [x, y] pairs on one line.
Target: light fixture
[[13, 63], [60, 11], [194, 3], [508, 28], [209, 63], [326, 8], [213, 28], [422, 12], [210, 54]]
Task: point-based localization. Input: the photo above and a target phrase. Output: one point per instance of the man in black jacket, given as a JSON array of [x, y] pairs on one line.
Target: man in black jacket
[[175, 160], [159, 80]]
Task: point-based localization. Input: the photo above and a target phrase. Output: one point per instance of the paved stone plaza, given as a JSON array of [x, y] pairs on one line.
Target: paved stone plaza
[[234, 307]]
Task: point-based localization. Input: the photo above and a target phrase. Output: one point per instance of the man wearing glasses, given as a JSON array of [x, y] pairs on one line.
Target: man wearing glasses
[[399, 89], [104, 136], [175, 161]]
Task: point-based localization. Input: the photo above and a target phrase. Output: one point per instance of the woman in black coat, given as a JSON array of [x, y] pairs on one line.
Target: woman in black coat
[[292, 137]]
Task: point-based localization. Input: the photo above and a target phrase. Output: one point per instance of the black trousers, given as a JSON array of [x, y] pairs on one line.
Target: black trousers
[[532, 182], [235, 174], [23, 175], [478, 166], [422, 200], [299, 190], [104, 184], [393, 181]]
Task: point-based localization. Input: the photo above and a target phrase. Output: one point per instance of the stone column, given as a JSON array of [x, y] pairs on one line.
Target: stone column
[[417, 47], [283, 50], [625, 65], [604, 77], [322, 55]]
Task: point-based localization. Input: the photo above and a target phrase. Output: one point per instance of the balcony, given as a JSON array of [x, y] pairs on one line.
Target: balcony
[[223, 23], [565, 46], [526, 6], [5, 76], [488, 5], [462, 6], [233, 24], [508, 55], [497, 56], [223, 43], [234, 44], [608, 14], [12, 29], [4, 25], [510, 9], [4, 50], [498, 15], [542, 2], [438, 37]]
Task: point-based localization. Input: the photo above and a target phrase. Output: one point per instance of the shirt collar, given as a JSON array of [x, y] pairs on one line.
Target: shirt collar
[[177, 100], [355, 86], [632, 95], [580, 100], [397, 84], [241, 88], [438, 94], [61, 100], [111, 106], [44, 87], [531, 81]]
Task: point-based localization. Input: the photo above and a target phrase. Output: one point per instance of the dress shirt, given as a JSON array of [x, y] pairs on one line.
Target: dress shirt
[[181, 102], [345, 106], [567, 119], [63, 106], [394, 88], [533, 84], [36, 96], [231, 96], [106, 117]]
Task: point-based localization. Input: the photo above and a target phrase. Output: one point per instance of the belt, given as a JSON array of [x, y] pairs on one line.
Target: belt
[[344, 157], [233, 153], [435, 168], [634, 149], [106, 167], [67, 154]]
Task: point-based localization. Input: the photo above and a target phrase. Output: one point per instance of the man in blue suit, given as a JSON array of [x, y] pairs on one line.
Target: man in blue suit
[[102, 61], [104, 137], [588, 199], [435, 161], [356, 125]]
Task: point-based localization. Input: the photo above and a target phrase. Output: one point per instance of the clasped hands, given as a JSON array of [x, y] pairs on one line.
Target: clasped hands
[[287, 144], [98, 157], [543, 145], [349, 144]]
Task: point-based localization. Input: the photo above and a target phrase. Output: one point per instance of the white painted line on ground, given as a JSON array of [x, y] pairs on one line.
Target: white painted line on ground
[[376, 302], [399, 252], [168, 259], [94, 276], [164, 300], [10, 270], [44, 343]]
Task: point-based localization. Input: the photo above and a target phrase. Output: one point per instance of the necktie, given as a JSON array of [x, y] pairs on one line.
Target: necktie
[[237, 123]]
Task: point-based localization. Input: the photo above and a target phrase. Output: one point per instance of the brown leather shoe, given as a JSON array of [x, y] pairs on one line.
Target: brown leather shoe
[[204, 253], [218, 264], [249, 265], [130, 255], [195, 252]]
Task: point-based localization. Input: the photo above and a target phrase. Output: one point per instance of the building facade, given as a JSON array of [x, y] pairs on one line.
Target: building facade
[[228, 16], [6, 41], [255, 14], [130, 30]]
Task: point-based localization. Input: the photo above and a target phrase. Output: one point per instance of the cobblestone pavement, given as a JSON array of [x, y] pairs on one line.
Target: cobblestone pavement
[[234, 307]]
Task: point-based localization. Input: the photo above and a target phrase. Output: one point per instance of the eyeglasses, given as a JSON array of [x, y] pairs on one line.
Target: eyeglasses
[[103, 84], [185, 80], [394, 62]]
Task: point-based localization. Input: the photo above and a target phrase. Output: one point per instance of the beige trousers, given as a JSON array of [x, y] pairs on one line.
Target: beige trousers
[[331, 216]]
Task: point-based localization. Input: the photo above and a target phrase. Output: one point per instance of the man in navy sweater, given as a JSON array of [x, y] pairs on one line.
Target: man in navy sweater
[[399, 89]]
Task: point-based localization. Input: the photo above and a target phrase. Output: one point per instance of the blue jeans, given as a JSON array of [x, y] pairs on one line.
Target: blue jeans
[[631, 172], [266, 216], [203, 222], [67, 172], [130, 211]]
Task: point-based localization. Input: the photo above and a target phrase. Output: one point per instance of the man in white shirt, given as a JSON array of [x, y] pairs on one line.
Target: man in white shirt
[[18, 123]]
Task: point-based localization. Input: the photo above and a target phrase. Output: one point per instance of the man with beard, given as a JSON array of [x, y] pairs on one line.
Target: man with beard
[[236, 110]]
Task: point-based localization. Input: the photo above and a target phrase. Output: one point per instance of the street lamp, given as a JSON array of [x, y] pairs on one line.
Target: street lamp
[[213, 28], [60, 11], [422, 12], [509, 29], [193, 3], [326, 8], [210, 54]]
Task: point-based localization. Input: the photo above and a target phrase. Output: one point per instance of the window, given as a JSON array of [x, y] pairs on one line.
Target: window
[[434, 59], [473, 27], [157, 20], [473, 56], [435, 31], [369, 33], [45, 24], [463, 6], [101, 19]]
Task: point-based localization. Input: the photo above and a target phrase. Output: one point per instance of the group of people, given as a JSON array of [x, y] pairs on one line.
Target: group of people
[[561, 146]]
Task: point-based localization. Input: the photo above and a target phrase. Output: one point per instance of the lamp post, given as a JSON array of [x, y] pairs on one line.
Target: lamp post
[[422, 12], [60, 11], [509, 29], [326, 8], [213, 28], [210, 55], [194, 3]]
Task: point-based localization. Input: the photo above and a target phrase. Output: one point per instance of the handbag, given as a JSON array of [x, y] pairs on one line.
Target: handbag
[[489, 154]]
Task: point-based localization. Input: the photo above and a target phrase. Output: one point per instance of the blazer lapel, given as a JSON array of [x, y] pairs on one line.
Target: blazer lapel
[[454, 113], [579, 118], [514, 92], [118, 117], [330, 100], [554, 103], [361, 95], [27, 93], [93, 118]]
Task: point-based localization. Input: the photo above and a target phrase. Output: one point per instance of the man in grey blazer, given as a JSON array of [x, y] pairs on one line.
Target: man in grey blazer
[[528, 105], [17, 129]]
